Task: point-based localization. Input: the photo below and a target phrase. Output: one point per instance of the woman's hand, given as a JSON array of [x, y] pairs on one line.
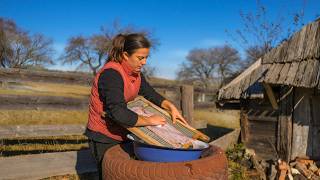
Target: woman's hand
[[153, 120], [175, 114]]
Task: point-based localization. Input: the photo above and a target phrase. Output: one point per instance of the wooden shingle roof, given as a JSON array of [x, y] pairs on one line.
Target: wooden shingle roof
[[294, 62], [245, 85]]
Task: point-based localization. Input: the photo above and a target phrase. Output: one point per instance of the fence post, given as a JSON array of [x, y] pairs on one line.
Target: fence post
[[187, 102]]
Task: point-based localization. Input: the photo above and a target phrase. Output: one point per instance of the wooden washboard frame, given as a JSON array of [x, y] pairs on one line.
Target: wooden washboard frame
[[150, 137]]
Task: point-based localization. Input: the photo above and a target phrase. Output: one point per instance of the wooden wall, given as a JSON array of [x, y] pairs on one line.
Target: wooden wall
[[259, 127], [306, 123]]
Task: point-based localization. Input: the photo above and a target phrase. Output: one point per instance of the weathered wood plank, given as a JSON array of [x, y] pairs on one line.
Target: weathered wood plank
[[263, 118], [260, 127], [301, 123], [300, 73], [302, 45], [269, 73], [308, 74], [292, 73], [244, 123], [284, 135], [315, 111], [314, 78], [271, 96], [187, 102], [284, 73]]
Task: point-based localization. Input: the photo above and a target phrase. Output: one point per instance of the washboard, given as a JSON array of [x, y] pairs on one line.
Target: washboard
[[153, 138]]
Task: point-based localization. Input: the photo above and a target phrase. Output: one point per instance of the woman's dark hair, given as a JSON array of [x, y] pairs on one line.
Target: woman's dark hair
[[127, 43]]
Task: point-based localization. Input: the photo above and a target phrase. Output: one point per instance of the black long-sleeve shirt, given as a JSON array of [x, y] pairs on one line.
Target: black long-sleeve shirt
[[111, 88]]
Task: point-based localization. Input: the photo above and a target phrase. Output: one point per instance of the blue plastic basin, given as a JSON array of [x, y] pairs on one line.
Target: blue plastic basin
[[153, 153]]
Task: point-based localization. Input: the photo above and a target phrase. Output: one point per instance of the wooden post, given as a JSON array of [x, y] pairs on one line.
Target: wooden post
[[244, 122], [284, 142], [187, 103]]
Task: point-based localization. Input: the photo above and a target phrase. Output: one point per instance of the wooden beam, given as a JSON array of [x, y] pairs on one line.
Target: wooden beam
[[271, 96], [284, 135], [244, 124]]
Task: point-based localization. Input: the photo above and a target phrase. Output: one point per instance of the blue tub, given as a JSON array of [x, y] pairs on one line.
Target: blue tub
[[153, 153]]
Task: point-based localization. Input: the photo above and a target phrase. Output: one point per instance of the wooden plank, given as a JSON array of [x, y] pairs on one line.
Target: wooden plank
[[308, 74], [292, 73], [244, 123], [301, 123], [315, 125], [314, 78], [244, 74], [276, 73], [187, 102], [284, 135], [269, 73], [301, 45], [263, 118], [260, 127], [300, 73], [271, 96], [284, 73]]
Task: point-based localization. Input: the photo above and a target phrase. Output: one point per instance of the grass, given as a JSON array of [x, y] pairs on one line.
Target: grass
[[225, 118], [46, 89], [42, 117], [42, 147], [36, 145]]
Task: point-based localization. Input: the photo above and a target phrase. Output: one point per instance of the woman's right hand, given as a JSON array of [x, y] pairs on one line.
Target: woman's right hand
[[153, 120], [156, 120]]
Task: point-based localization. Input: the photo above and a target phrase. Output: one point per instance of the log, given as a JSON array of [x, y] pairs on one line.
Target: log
[[304, 170]]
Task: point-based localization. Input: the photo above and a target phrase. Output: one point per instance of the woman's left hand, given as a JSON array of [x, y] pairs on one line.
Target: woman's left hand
[[175, 114]]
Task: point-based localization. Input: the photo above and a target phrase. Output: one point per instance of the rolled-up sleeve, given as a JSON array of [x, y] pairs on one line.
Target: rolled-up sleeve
[[111, 88]]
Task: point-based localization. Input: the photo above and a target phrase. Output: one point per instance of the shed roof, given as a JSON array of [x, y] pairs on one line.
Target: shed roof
[[294, 62], [245, 85]]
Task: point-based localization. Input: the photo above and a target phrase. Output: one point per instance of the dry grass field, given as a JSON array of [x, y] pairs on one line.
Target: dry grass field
[[229, 119], [45, 89]]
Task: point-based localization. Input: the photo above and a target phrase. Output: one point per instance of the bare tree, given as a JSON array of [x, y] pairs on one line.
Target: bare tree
[[260, 33], [208, 65], [199, 67], [18, 49], [227, 59], [92, 52], [88, 52]]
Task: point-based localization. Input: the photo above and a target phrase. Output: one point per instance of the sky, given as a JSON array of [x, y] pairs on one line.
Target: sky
[[179, 25]]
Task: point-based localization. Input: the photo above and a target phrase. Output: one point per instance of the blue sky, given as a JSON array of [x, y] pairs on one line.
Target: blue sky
[[179, 25]]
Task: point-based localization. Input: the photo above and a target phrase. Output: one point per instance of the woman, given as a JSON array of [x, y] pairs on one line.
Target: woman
[[119, 81]]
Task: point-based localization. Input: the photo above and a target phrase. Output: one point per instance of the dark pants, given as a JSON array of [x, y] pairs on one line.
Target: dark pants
[[98, 149]]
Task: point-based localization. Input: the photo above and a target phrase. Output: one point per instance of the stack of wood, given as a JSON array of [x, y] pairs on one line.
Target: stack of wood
[[300, 168]]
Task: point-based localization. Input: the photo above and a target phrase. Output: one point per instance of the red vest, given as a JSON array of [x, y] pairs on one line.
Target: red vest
[[131, 88]]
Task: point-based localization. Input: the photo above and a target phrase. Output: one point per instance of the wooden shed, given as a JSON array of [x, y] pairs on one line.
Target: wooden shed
[[279, 98]]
